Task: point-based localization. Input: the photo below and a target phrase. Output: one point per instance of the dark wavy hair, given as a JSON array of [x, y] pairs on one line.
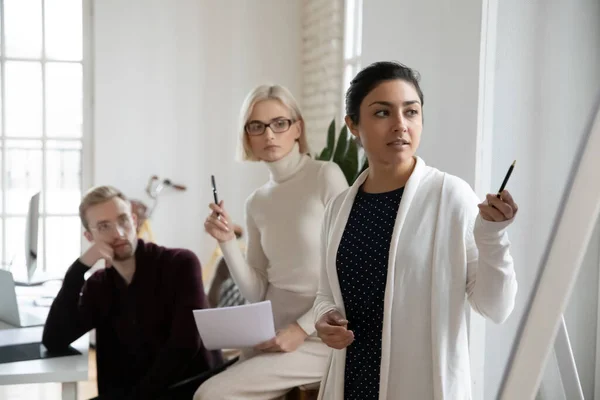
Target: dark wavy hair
[[371, 76]]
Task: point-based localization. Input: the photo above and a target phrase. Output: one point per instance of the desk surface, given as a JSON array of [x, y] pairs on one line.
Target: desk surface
[[60, 369]]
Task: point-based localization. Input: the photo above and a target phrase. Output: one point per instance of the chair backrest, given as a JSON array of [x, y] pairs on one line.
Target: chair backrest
[[223, 290]]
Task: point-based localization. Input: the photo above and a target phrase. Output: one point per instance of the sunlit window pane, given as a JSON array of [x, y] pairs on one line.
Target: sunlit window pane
[[15, 247], [348, 75], [63, 28], [1, 193], [23, 28], [63, 188], [63, 240], [1, 100], [359, 14], [15, 243], [23, 99], [2, 259], [64, 145], [23, 175], [349, 27], [64, 100]]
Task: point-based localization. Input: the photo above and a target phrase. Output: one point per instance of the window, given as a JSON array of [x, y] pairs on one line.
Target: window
[[352, 43], [42, 133]]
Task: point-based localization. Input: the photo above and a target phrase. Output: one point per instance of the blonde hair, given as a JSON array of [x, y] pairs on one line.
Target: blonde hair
[[267, 92], [97, 195]]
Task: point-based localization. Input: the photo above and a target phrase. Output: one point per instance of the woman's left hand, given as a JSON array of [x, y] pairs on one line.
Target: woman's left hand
[[286, 340], [498, 209]]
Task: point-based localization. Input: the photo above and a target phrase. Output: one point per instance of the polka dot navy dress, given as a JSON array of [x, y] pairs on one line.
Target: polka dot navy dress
[[361, 264]]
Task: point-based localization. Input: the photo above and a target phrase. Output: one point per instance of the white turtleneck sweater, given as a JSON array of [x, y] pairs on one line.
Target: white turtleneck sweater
[[283, 230]]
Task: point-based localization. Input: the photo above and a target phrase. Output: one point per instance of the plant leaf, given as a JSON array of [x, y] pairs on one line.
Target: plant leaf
[[325, 154], [342, 146], [349, 164], [330, 139]]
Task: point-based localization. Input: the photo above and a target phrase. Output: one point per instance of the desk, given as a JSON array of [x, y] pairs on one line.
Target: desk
[[66, 370]]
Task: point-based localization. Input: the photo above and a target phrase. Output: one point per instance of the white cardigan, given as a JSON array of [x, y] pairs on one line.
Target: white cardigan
[[441, 254]]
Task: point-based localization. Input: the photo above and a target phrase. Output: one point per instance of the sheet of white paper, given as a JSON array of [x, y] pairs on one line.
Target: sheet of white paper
[[235, 327]]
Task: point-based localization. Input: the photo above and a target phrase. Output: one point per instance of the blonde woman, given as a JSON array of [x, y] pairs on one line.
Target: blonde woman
[[283, 225]]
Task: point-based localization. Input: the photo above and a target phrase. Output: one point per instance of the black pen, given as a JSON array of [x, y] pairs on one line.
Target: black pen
[[214, 189], [505, 181]]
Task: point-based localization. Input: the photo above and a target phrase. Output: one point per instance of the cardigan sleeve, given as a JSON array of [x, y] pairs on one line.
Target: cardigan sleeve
[[331, 183], [324, 301], [491, 279]]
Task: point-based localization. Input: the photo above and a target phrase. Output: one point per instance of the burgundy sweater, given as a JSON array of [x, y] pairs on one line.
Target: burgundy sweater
[[146, 336]]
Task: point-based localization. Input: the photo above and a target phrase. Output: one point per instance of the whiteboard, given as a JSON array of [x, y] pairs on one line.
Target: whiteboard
[[575, 221]]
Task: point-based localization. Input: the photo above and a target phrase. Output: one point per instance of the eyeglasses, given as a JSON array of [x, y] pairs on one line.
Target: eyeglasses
[[257, 128], [106, 227]]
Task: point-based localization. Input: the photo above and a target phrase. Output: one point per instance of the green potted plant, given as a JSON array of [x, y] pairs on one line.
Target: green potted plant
[[344, 153]]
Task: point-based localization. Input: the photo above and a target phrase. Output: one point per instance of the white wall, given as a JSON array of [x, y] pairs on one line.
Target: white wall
[[446, 53], [169, 79], [547, 76], [246, 43]]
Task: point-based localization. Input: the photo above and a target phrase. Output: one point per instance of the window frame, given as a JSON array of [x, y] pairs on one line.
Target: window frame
[[85, 140], [355, 58]]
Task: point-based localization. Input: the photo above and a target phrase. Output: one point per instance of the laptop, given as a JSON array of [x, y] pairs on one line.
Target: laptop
[[10, 312]]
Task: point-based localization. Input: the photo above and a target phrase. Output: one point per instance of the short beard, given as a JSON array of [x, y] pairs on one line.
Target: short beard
[[125, 255]]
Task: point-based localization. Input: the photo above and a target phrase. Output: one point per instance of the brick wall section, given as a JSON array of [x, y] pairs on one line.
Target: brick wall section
[[322, 67]]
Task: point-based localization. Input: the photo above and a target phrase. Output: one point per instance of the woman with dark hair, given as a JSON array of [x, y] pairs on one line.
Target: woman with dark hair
[[404, 248]]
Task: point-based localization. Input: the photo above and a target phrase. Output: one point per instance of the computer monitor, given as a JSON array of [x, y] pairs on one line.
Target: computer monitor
[[31, 235]]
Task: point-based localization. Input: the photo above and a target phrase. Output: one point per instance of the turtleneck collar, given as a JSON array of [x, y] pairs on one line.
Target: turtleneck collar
[[288, 165]]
